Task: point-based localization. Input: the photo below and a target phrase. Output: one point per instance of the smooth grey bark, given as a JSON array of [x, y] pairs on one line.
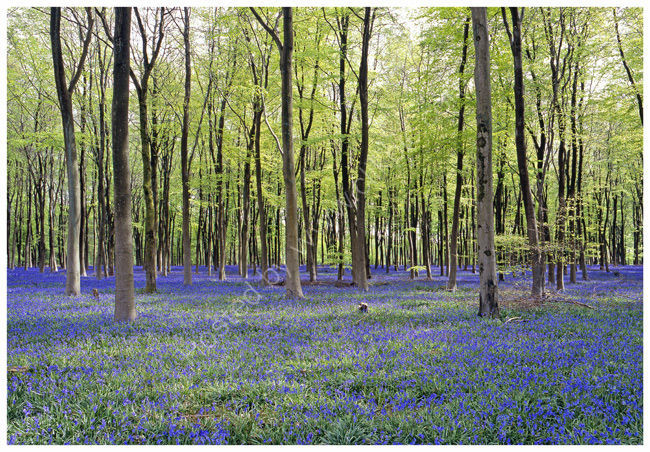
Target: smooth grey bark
[[294, 288], [292, 283], [488, 290], [64, 93], [142, 89], [124, 288]]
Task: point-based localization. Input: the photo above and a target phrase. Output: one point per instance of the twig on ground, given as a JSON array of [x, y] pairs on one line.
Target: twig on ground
[[514, 319], [578, 303]]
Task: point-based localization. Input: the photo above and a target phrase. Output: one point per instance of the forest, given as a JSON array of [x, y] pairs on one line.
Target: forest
[[277, 225]]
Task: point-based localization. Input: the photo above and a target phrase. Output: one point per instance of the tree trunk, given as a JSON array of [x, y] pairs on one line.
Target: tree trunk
[[124, 288], [453, 244], [185, 170], [293, 286], [260, 198], [630, 77], [488, 290], [536, 258], [64, 93], [360, 266]]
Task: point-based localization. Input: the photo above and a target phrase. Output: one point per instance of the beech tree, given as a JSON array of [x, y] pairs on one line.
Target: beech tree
[[488, 290], [124, 289], [453, 243], [536, 256], [149, 55], [185, 170], [383, 125], [293, 286], [64, 92]]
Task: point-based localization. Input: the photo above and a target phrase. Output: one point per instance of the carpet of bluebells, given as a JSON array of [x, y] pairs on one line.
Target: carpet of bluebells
[[231, 363]]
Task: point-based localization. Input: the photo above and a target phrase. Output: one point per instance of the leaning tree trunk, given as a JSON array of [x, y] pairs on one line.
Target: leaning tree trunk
[[64, 93], [488, 291], [124, 288], [637, 92]]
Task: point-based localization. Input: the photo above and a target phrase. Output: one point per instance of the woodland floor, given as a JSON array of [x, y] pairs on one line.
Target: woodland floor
[[227, 362]]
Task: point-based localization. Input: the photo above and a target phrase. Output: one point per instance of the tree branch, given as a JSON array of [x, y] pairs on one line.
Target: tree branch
[[267, 28], [84, 52]]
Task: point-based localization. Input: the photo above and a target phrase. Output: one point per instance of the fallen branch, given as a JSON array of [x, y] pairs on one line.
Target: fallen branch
[[514, 319], [579, 304]]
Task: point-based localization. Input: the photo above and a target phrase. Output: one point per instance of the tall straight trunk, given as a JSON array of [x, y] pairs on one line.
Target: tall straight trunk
[[621, 246], [27, 259], [408, 237], [376, 240], [142, 89], [571, 192], [201, 224], [101, 207], [580, 214], [474, 252], [446, 222], [155, 157], [245, 207], [64, 93], [185, 170], [9, 228], [16, 218], [83, 220], [305, 128], [488, 290], [453, 244], [164, 214], [260, 199], [360, 195], [51, 214], [306, 214], [39, 201], [124, 287], [316, 213], [293, 286], [637, 218], [536, 259], [561, 213], [426, 258], [340, 221], [441, 260], [345, 129], [603, 237], [389, 244], [500, 208], [221, 215], [149, 207], [209, 237]]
